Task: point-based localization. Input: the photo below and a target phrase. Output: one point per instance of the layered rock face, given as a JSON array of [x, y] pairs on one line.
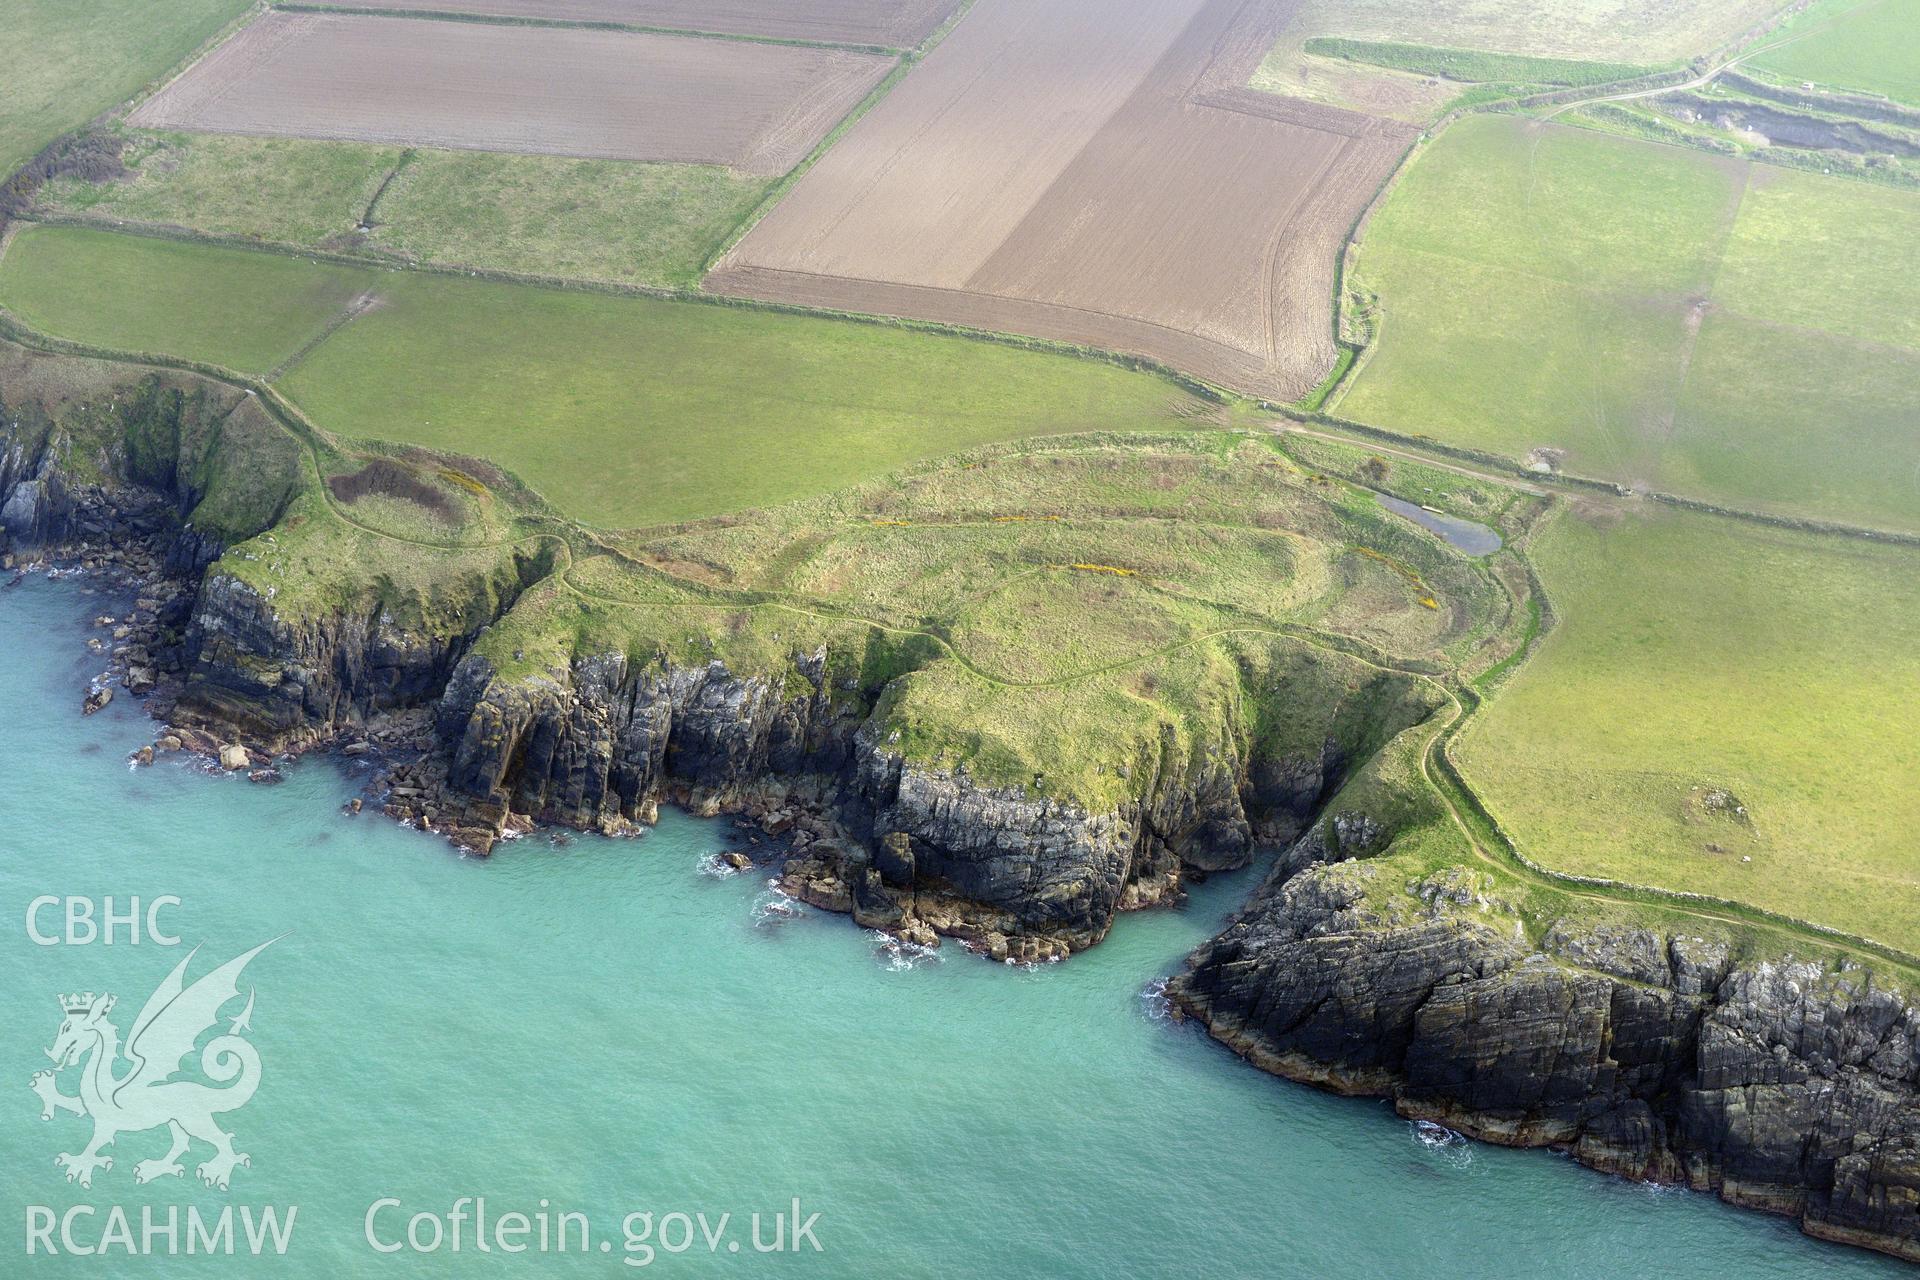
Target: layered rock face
[[608, 744], [148, 448], [1780, 1085], [603, 745], [284, 682], [42, 510]]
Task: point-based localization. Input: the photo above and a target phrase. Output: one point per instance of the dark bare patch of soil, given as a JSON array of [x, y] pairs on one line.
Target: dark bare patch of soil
[[1789, 129], [94, 157], [383, 477]]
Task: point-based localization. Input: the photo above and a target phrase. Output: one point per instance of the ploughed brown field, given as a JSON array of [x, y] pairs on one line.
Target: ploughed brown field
[[898, 24], [1091, 171], [759, 108]]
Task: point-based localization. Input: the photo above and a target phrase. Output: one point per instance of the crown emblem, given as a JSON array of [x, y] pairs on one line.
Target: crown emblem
[[81, 1002]]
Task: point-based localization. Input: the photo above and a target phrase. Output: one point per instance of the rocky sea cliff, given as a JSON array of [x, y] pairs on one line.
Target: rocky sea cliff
[[1782, 1084]]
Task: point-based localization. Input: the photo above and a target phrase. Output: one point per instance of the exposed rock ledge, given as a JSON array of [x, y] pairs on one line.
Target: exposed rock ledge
[[1007, 868], [1780, 1085], [600, 743]]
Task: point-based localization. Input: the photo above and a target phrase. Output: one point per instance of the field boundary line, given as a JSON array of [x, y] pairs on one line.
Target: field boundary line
[[1698, 904], [241, 22], [347, 315], [1187, 382], [430, 14], [1695, 904], [777, 191], [1348, 431], [1340, 429], [406, 158]]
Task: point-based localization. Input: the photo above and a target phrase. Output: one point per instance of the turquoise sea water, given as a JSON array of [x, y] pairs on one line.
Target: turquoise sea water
[[607, 1027]]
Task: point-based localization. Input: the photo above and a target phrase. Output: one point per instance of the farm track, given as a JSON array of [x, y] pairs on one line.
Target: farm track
[[1425, 460]]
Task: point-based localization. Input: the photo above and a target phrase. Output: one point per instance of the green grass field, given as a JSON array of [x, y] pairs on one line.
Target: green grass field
[[1869, 46], [644, 224], [287, 190], [1403, 47], [632, 411], [1697, 652], [1735, 332], [1623, 31], [68, 61], [244, 310], [622, 411], [649, 224]]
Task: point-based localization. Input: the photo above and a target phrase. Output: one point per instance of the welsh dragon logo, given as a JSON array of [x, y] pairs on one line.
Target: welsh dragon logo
[[145, 1095]]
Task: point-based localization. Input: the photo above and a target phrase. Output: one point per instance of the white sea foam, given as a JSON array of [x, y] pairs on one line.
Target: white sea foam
[[1449, 1147], [897, 954], [718, 867], [774, 908]]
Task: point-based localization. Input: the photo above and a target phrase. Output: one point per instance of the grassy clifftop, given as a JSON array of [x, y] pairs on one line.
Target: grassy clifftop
[[1047, 609], [1057, 615], [1045, 615]]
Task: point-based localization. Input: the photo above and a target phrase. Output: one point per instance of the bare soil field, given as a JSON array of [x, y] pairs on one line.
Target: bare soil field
[[614, 95], [1093, 172], [898, 24]]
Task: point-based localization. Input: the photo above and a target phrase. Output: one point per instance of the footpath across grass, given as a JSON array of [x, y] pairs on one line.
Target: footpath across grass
[[621, 410], [1668, 319], [244, 310], [1723, 709]]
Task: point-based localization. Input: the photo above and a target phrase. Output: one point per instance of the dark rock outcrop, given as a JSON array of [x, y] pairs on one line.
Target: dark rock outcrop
[[604, 746], [1780, 1084], [277, 681], [608, 744]]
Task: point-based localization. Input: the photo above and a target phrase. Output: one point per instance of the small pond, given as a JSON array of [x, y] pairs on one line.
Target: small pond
[[1463, 535]]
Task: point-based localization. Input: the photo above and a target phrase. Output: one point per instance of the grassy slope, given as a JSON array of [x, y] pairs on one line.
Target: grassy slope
[[1052, 668], [245, 310], [646, 224], [1544, 286], [1047, 668], [629, 411], [1484, 35], [1640, 31], [1871, 46], [1472, 66], [622, 410], [68, 61], [1695, 652]]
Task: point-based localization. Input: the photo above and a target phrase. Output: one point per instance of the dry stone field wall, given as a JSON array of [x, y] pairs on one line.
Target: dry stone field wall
[[898, 24]]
